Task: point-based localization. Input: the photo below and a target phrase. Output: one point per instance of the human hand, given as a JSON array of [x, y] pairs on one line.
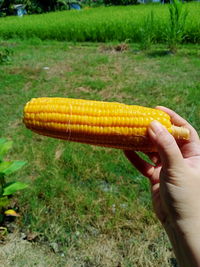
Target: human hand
[[175, 179]]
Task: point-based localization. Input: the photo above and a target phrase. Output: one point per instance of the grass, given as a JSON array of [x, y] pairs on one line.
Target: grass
[[20, 252], [101, 24], [90, 201]]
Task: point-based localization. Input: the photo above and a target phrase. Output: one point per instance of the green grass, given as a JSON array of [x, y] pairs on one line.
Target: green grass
[[79, 195], [100, 24]]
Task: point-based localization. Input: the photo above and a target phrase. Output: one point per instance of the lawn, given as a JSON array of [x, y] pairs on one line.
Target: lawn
[[88, 201]]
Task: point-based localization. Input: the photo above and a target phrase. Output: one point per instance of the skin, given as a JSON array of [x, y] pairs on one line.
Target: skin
[[175, 185]]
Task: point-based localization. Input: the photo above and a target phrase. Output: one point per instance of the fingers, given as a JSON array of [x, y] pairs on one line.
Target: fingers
[[179, 121], [168, 149], [144, 167], [154, 157]]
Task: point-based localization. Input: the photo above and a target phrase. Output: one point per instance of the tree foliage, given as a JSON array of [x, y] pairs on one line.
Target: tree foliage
[[120, 2], [40, 6], [33, 6]]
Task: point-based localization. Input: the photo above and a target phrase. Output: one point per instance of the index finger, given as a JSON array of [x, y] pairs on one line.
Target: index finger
[[179, 121]]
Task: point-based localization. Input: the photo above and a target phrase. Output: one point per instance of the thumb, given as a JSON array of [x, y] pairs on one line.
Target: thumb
[[168, 149]]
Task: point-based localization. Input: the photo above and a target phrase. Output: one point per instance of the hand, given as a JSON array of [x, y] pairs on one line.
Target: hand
[[175, 180]]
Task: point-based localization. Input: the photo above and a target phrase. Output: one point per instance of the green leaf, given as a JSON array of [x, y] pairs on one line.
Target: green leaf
[[4, 166], [2, 140], [4, 147], [8, 167], [4, 201], [9, 190]]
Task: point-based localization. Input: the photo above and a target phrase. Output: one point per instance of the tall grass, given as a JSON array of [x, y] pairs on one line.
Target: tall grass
[[175, 30], [99, 24], [148, 31]]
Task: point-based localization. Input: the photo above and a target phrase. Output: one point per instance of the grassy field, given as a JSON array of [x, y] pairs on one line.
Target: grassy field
[[100, 24], [89, 202]]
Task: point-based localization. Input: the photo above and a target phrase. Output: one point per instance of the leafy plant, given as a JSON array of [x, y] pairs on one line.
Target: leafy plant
[[175, 30], [7, 189]]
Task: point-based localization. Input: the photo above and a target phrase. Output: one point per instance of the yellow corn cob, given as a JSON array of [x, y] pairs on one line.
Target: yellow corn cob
[[106, 124]]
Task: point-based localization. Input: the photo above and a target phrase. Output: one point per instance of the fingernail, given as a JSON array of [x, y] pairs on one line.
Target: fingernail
[[156, 127]]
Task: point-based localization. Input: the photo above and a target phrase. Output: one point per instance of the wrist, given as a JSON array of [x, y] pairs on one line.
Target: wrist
[[187, 227], [185, 240]]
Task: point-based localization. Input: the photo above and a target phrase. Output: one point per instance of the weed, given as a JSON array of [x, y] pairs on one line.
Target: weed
[[148, 32], [175, 32]]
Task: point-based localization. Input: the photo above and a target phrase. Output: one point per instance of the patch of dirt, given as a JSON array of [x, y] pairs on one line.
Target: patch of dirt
[[82, 89], [18, 252], [8, 44], [107, 94], [114, 48], [15, 124], [59, 151], [32, 72], [58, 69], [101, 252], [96, 250]]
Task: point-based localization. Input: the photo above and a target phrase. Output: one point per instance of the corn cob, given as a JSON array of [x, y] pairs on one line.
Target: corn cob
[[107, 124]]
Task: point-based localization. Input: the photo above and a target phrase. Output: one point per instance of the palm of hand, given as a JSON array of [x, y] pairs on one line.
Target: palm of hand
[[172, 183], [160, 201]]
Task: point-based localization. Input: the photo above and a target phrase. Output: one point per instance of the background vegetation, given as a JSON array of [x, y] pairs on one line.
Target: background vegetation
[[41, 6], [104, 24], [33, 6]]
